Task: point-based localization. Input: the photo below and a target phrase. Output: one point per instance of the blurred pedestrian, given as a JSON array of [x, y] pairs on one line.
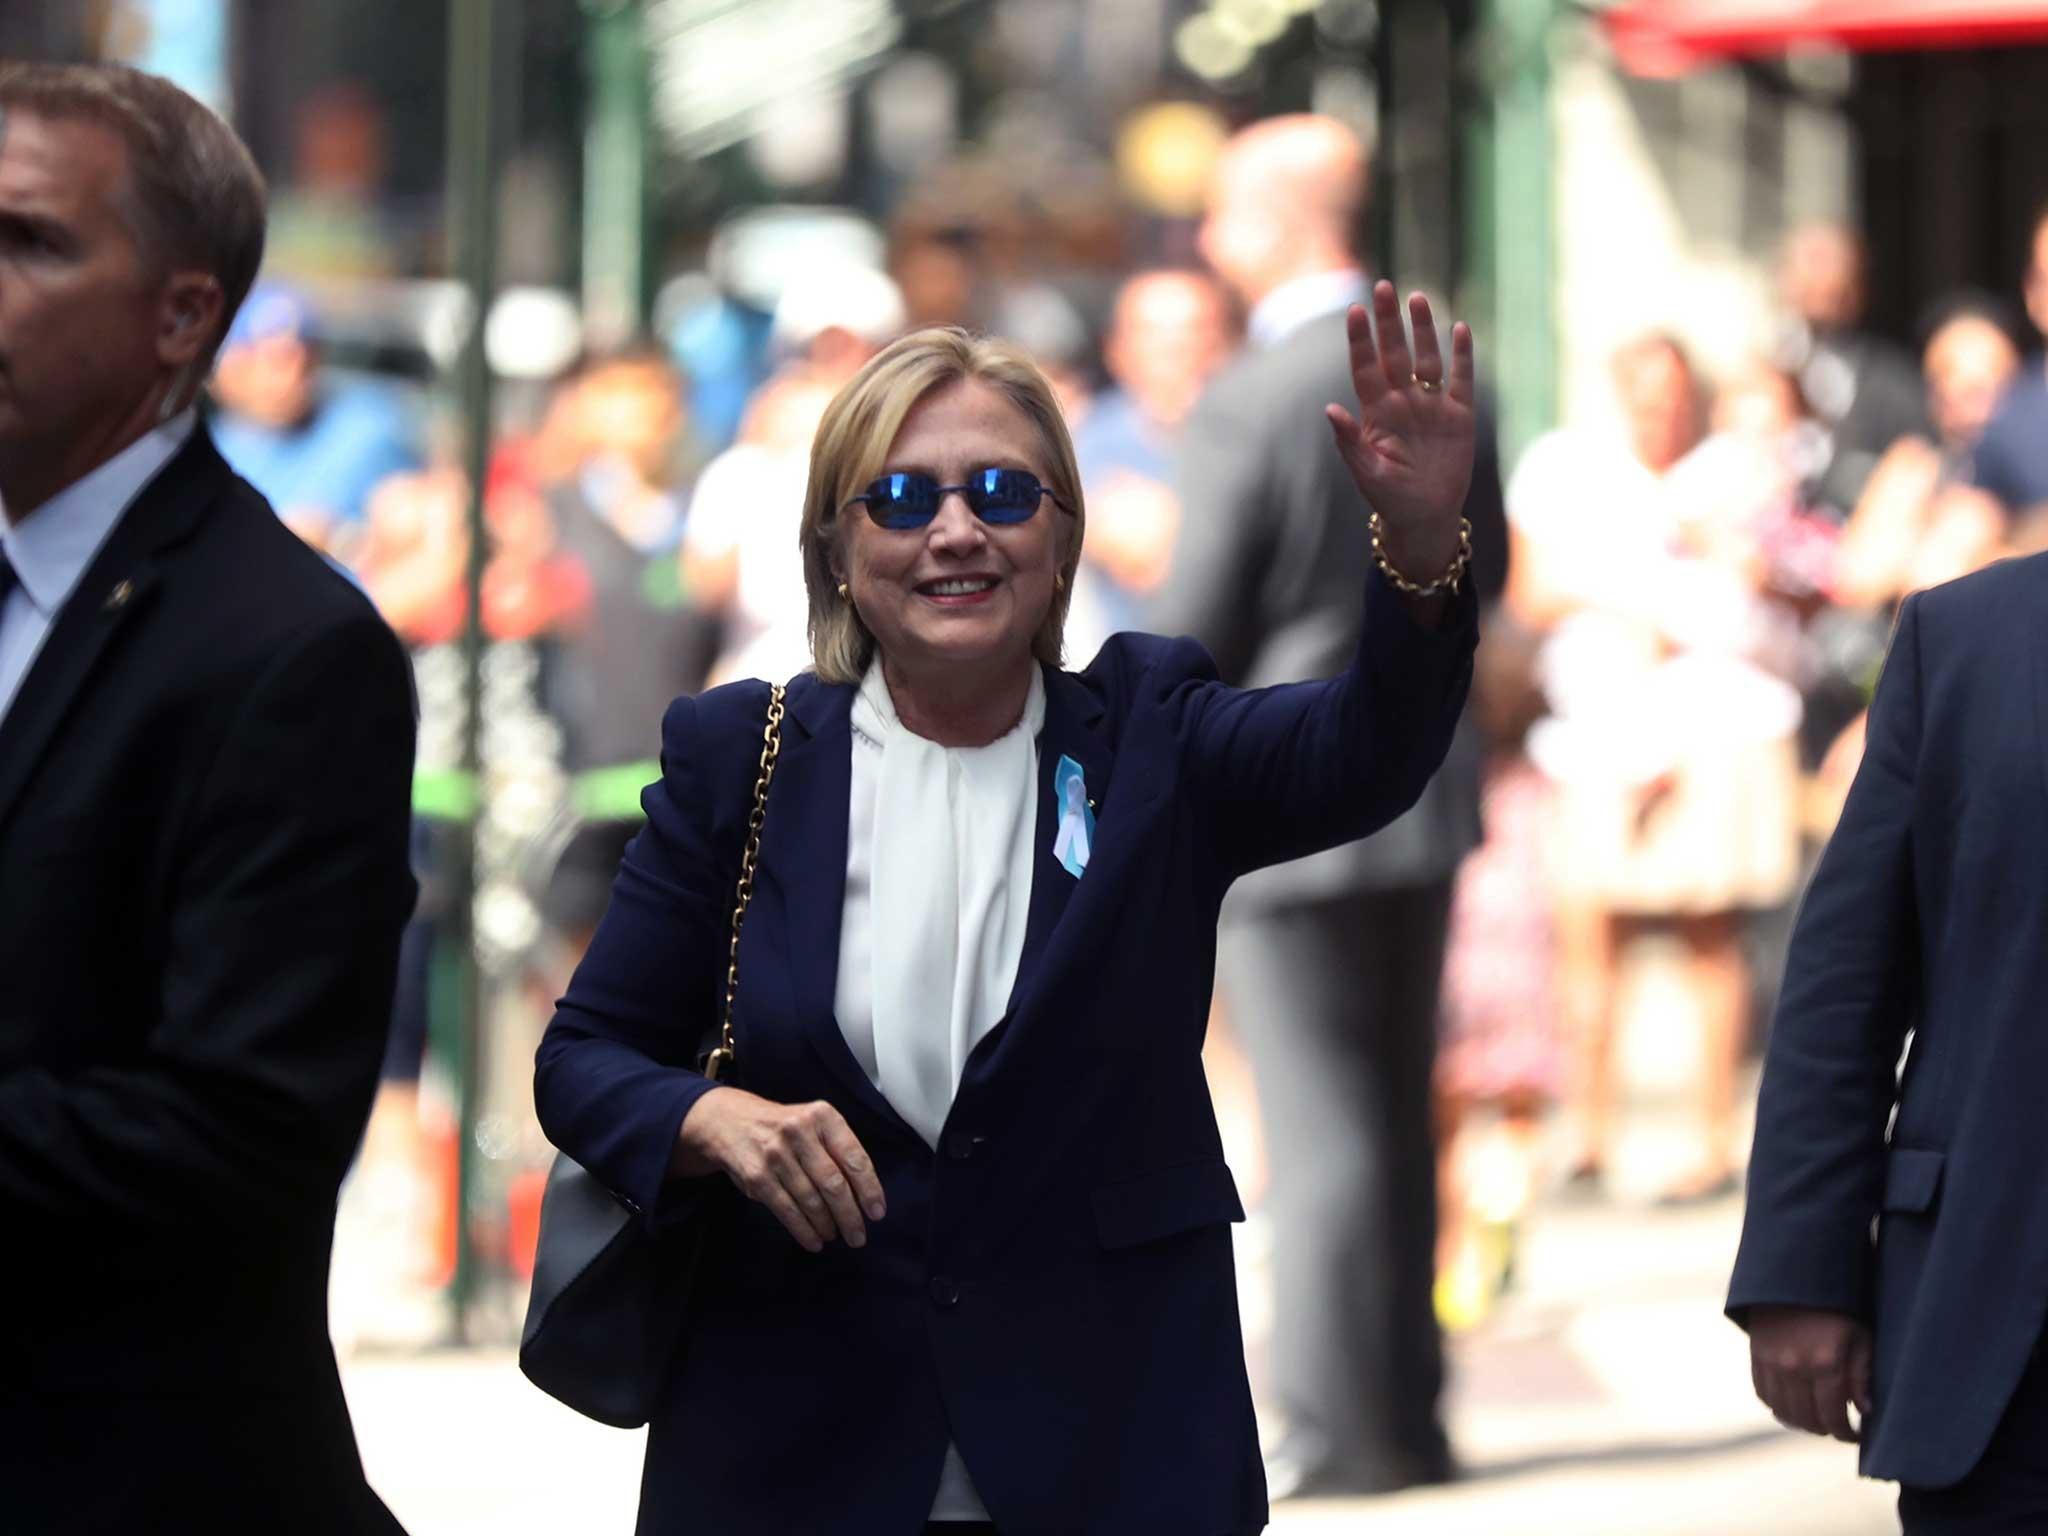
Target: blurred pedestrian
[[1922, 520], [632, 641], [740, 556], [721, 343], [414, 551], [206, 740], [1671, 739], [973, 976], [1330, 966], [1917, 941], [1169, 332], [1501, 1064], [1862, 388], [1048, 323], [316, 446], [829, 323], [2012, 460]]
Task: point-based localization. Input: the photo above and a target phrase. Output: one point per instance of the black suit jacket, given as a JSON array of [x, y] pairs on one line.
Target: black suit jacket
[[1265, 574], [204, 785], [1924, 921]]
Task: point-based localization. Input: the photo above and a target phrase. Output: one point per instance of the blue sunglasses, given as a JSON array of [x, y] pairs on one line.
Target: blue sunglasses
[[911, 499]]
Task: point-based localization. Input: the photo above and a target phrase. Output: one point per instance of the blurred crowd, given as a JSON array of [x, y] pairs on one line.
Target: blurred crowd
[[1701, 594], [1669, 697]]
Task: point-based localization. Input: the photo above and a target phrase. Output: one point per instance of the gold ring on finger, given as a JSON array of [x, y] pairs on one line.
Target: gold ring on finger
[[1428, 386]]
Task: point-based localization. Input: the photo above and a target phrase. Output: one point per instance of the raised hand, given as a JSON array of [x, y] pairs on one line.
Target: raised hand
[[1410, 446]]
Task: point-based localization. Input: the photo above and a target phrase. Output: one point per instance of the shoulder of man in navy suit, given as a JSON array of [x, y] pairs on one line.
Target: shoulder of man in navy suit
[[1975, 628], [1984, 595]]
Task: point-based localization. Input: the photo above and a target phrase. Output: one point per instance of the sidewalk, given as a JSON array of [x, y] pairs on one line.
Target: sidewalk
[[1609, 1398], [1612, 1399]]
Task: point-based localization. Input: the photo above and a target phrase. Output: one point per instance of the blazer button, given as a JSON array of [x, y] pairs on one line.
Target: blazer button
[[945, 1291], [961, 1147]]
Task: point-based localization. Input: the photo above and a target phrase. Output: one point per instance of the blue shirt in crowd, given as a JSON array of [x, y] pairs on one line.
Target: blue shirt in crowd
[[1117, 436], [357, 435]]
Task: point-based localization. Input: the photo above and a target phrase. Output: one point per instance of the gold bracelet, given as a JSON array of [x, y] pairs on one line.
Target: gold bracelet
[[1443, 583]]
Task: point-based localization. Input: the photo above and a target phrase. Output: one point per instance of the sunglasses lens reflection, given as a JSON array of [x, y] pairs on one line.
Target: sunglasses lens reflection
[[910, 500], [1007, 495], [904, 501]]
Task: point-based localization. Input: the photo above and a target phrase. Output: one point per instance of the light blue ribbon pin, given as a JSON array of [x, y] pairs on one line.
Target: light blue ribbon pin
[[1077, 817]]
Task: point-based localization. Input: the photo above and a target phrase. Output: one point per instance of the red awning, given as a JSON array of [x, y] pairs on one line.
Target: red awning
[[1666, 37]]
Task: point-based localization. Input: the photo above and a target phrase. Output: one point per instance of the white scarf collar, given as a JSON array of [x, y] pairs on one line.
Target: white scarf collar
[[951, 884]]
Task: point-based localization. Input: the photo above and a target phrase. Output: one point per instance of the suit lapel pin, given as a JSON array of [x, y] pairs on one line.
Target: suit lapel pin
[[1076, 838], [118, 598]]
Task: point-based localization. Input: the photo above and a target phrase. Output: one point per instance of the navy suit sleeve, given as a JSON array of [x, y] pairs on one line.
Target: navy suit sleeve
[[1287, 771], [613, 1077], [1816, 1175], [244, 1097]]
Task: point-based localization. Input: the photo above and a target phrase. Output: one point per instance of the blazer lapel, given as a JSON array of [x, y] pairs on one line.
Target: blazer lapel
[[115, 587], [804, 853], [1073, 728]]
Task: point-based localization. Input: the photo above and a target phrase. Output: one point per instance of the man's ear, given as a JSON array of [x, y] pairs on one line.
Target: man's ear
[[188, 319]]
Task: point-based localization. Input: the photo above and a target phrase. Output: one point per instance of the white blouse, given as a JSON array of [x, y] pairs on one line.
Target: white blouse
[[939, 844]]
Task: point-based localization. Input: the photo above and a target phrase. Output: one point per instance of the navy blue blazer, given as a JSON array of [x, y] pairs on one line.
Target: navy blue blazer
[[1927, 920], [1053, 1290]]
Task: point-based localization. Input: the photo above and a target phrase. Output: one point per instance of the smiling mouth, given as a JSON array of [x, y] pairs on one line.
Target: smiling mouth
[[958, 587]]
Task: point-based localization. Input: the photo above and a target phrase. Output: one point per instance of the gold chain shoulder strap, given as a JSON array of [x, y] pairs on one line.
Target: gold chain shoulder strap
[[720, 1060]]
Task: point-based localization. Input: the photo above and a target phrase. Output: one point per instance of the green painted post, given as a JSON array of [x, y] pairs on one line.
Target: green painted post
[[1512, 239], [615, 149], [475, 50]]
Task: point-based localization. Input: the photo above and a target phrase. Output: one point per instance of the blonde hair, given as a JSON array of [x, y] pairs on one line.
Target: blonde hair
[[853, 444]]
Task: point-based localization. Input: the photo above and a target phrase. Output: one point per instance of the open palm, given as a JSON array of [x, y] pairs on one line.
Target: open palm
[[1410, 446]]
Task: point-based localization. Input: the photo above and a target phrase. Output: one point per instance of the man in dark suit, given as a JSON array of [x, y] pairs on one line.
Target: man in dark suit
[[1330, 966], [206, 740], [1920, 937]]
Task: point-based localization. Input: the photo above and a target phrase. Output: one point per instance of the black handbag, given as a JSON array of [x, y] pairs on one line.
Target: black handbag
[[610, 1295]]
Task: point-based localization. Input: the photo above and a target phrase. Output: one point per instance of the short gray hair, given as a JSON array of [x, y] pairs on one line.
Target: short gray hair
[[195, 198]]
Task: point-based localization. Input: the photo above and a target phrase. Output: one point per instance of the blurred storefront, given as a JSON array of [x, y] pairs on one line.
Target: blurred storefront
[[1625, 164], [1694, 134]]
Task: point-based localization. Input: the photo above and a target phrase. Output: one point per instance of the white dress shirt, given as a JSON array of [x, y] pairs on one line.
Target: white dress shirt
[[52, 547], [1301, 299], [938, 889]]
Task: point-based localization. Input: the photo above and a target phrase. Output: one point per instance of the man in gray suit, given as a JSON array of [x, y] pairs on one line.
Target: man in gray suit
[[1330, 966]]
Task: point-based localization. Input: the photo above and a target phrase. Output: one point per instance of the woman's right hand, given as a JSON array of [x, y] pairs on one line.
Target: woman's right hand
[[802, 1161]]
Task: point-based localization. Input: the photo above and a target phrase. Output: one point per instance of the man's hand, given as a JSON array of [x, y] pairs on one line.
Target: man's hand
[[1809, 1367]]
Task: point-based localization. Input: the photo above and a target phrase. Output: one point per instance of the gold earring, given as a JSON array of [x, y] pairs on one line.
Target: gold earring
[[844, 593], [1059, 582]]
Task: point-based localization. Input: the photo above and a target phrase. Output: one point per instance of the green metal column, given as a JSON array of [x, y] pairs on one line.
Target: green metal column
[[1512, 254], [615, 148], [475, 52]]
